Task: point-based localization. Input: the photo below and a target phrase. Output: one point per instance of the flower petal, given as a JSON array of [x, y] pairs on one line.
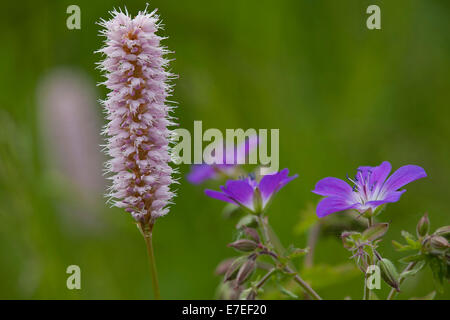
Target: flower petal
[[391, 197], [333, 204], [246, 148], [200, 173], [331, 186], [403, 176], [271, 183], [240, 191], [219, 195], [379, 174]]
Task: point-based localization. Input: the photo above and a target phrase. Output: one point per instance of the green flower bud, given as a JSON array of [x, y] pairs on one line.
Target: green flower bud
[[443, 232], [423, 226], [244, 245], [439, 243], [389, 273]]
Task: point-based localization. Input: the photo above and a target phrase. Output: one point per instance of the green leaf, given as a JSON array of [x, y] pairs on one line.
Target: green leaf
[[439, 268], [411, 240], [414, 270], [296, 253], [413, 258], [287, 292], [249, 220], [398, 246], [376, 231]]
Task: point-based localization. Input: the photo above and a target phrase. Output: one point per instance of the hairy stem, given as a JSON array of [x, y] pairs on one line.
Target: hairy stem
[[393, 292]]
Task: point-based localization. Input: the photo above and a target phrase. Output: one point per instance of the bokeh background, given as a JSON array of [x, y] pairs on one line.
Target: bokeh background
[[341, 95]]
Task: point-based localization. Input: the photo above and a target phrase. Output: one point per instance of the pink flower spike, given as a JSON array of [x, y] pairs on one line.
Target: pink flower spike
[[134, 67]]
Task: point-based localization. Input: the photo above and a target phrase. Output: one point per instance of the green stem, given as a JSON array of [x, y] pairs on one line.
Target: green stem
[[303, 284], [394, 292], [313, 236], [366, 289], [369, 262], [265, 278], [151, 257]]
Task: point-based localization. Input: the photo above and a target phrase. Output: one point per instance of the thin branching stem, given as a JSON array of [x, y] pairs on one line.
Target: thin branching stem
[[394, 292], [302, 283]]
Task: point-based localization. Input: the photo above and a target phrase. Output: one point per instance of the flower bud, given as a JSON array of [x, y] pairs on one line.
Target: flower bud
[[246, 270], [347, 240], [244, 245], [233, 269], [423, 226], [443, 232], [252, 233], [375, 231], [439, 243], [223, 266], [389, 273]]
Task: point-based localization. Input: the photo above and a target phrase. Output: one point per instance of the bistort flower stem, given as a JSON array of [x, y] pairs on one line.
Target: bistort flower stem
[[147, 233]]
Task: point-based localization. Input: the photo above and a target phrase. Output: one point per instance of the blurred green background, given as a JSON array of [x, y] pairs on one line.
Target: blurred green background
[[341, 95]]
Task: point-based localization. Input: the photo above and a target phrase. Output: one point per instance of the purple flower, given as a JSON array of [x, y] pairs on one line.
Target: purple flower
[[231, 158], [250, 194], [370, 188]]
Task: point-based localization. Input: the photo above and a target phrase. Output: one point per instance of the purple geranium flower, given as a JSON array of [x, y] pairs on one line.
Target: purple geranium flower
[[250, 194], [370, 188], [231, 158]]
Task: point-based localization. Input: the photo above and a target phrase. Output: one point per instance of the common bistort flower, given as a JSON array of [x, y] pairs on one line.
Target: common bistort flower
[[250, 194], [138, 134], [370, 188], [231, 158]]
